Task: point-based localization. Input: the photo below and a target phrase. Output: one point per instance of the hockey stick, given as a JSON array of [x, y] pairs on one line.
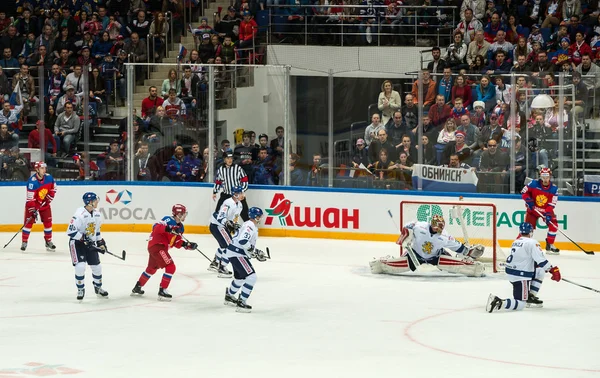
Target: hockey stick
[[268, 253], [100, 250], [20, 229], [197, 249], [583, 286], [565, 235], [409, 251]]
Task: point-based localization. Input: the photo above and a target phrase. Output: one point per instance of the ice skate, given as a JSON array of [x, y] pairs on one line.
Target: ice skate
[[23, 246], [214, 266], [100, 292], [534, 301], [551, 249], [50, 247], [493, 303], [164, 296], [80, 294], [230, 300], [243, 307], [223, 272], [137, 290]]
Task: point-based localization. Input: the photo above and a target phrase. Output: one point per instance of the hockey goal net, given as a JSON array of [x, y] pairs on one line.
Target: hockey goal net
[[470, 222]]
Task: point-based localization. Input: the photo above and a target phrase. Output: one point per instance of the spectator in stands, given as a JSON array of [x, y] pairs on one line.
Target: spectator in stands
[[479, 46], [579, 106], [486, 93], [440, 112], [457, 147], [81, 161], [437, 65], [456, 53], [493, 167], [380, 143], [114, 161], [410, 113], [388, 102], [205, 49], [454, 162], [384, 168], [573, 26], [491, 131], [193, 164], [315, 173], [396, 128], [469, 26], [227, 51], [5, 22], [493, 27], [159, 30], [476, 6], [174, 105], [102, 46], [67, 21], [55, 85], [446, 135], [97, 87], [63, 42], [75, 79], [248, 30], [12, 41], [552, 13], [444, 85], [34, 141], [156, 124], [521, 48], [429, 157], [8, 138], [171, 82], [151, 103], [264, 169], [521, 65], [140, 26], [15, 166], [478, 66], [136, 49], [5, 91], [404, 171], [41, 58], [277, 143], [242, 155], [9, 63], [590, 73], [501, 44], [462, 90], [428, 89], [428, 129], [542, 66], [472, 132], [372, 130], [65, 61], [499, 65], [69, 97], [579, 48], [296, 172], [85, 57], [407, 148], [27, 88], [503, 91], [514, 30], [458, 110], [50, 118], [229, 25], [361, 155], [10, 117], [66, 128]]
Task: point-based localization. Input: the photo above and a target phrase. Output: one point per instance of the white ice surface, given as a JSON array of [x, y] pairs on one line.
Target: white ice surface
[[318, 312]]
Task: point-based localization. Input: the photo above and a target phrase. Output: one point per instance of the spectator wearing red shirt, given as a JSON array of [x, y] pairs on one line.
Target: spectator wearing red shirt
[[150, 103], [33, 141], [440, 112], [248, 30]]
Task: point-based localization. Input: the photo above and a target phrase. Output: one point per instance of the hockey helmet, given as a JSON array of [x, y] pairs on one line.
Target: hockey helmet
[[525, 228], [237, 190], [39, 164], [179, 209], [438, 223], [545, 172], [89, 197], [255, 213]]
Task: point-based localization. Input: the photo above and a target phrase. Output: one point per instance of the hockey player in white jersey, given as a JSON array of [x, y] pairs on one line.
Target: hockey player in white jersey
[[85, 242], [427, 243], [222, 225], [525, 269], [239, 252]]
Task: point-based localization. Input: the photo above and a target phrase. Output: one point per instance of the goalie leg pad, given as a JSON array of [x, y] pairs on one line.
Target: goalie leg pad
[[461, 266], [389, 265]]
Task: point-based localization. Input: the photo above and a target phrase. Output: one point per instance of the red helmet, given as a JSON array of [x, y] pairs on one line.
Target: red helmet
[[545, 172], [39, 164], [179, 209]]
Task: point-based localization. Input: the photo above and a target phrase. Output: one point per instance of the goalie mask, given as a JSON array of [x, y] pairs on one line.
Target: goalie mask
[[438, 223]]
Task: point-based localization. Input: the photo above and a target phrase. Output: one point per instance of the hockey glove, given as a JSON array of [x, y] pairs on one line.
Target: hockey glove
[[530, 204], [555, 273], [548, 217], [230, 226], [260, 255], [101, 244], [189, 245]]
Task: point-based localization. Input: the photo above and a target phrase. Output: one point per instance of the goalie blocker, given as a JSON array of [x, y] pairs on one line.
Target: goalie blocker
[[429, 243]]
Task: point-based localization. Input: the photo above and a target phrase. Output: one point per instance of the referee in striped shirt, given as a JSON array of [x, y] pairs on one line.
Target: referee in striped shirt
[[228, 176]]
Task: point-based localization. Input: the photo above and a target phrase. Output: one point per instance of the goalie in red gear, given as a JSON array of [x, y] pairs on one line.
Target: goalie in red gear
[[41, 190], [165, 234], [541, 196]]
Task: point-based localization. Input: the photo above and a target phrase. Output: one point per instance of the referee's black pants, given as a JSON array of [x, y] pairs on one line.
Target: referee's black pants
[[222, 199]]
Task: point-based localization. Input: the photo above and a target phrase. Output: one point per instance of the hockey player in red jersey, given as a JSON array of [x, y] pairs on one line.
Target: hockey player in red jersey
[[41, 190], [165, 234], [541, 196]]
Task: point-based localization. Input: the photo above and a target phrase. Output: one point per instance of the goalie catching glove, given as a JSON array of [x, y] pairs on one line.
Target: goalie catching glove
[[475, 251]]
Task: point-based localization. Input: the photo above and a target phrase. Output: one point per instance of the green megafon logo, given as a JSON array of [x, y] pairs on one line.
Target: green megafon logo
[[425, 212]]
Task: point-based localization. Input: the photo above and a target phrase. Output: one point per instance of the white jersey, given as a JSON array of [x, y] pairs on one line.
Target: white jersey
[[524, 254], [229, 211], [243, 241], [430, 244], [83, 223]]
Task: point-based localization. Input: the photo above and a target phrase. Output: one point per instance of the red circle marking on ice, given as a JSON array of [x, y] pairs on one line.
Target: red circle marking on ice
[[421, 320], [197, 281]]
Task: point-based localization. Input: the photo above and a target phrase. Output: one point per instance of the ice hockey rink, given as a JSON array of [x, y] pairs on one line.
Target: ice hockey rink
[[318, 312]]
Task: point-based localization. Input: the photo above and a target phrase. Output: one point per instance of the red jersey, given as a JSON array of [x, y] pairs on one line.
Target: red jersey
[[149, 106], [544, 198], [40, 192], [160, 236]]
